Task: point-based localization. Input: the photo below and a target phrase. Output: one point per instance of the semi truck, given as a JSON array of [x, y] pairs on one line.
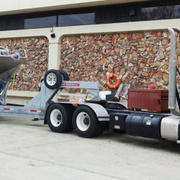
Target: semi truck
[[89, 117]]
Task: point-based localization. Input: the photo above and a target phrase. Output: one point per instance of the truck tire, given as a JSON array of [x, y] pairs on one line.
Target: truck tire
[[85, 122], [116, 106], [64, 74], [58, 118], [53, 79]]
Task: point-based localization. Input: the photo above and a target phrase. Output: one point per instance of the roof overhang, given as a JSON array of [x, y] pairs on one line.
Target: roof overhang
[[9, 7]]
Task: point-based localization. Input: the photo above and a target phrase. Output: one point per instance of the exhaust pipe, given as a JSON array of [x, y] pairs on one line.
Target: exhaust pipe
[[172, 75]]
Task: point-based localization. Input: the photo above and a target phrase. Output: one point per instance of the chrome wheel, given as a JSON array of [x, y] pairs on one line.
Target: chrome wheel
[[51, 79]]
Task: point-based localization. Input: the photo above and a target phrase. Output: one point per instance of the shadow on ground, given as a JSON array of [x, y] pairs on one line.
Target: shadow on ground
[[134, 141]]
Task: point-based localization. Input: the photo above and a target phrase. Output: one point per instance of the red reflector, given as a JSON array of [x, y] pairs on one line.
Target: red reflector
[[6, 109], [71, 84], [33, 110]]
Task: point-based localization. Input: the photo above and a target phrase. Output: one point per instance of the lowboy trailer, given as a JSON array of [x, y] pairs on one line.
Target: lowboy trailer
[[88, 118]]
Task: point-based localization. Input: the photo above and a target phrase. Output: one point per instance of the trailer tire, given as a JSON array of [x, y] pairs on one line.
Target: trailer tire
[[85, 122], [64, 74], [58, 118], [53, 79]]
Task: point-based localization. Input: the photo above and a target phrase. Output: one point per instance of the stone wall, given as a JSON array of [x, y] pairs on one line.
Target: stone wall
[[28, 76], [140, 59]]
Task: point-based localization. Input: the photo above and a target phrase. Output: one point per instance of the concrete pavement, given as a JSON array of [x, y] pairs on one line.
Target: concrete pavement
[[30, 151]]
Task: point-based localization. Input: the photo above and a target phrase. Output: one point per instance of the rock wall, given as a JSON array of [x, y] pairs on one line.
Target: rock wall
[[140, 59], [28, 76]]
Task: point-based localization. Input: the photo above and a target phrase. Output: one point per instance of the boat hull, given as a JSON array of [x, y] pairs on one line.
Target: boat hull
[[8, 65]]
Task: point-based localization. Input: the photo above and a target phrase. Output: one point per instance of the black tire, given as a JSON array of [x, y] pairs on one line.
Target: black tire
[[64, 74], [116, 106], [50, 82], [58, 118], [91, 128]]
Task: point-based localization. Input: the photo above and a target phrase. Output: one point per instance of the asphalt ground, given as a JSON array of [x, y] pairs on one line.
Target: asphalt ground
[[30, 151]]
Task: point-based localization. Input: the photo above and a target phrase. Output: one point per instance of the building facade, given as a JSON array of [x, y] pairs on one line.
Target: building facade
[[89, 39]]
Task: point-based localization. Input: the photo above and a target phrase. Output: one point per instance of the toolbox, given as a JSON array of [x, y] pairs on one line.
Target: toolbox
[[148, 100]]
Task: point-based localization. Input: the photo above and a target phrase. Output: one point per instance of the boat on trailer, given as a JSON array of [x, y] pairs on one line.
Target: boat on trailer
[[9, 63]]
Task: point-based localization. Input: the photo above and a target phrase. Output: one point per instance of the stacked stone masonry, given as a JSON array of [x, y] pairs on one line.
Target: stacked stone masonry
[[28, 76], [140, 59]]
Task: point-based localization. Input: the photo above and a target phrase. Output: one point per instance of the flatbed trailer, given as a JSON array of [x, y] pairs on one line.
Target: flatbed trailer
[[89, 118]]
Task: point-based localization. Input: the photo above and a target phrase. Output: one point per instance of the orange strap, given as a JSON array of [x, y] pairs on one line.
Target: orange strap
[[111, 86]]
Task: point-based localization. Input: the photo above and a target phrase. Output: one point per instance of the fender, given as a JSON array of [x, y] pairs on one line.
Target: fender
[[99, 110]]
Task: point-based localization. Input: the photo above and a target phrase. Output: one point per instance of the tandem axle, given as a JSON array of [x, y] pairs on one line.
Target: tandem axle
[[90, 118]]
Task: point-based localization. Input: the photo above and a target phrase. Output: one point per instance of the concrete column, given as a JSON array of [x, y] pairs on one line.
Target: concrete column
[[54, 54]]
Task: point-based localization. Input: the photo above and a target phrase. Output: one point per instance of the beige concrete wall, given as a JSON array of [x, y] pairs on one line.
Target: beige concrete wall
[[22, 6], [54, 43]]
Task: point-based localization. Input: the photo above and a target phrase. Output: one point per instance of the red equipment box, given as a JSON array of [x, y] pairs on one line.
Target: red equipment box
[[149, 100]]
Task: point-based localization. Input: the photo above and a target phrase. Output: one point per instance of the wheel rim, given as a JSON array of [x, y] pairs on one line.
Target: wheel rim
[[56, 117], [51, 79], [83, 121]]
